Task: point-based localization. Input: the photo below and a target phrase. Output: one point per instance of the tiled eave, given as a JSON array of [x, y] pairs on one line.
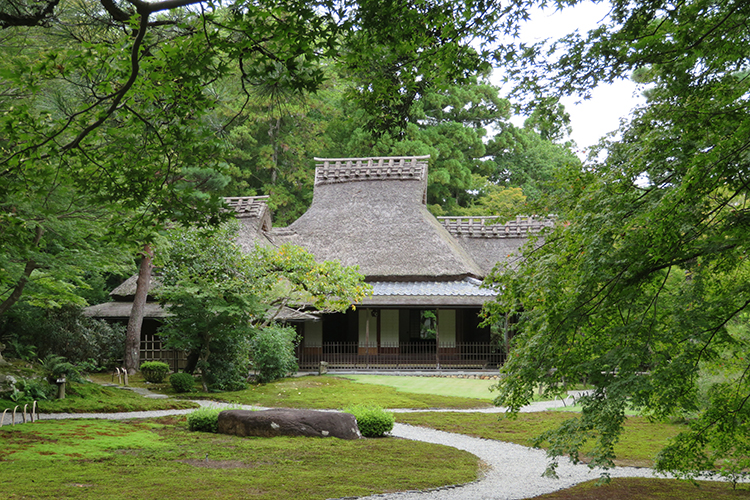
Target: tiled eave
[[462, 293]]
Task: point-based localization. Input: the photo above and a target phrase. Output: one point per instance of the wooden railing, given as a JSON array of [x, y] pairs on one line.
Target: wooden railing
[[402, 356]]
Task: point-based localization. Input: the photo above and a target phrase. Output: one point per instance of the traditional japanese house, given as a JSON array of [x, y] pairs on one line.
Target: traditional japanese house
[[426, 272]]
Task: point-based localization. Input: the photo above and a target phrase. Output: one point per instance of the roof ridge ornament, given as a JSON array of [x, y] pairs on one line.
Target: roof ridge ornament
[[488, 226], [335, 170]]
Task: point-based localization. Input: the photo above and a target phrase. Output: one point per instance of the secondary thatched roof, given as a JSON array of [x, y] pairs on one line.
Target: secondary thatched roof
[[371, 212], [122, 310], [126, 290], [255, 220], [490, 242]]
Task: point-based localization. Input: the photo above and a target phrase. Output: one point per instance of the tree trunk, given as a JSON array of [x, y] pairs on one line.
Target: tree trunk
[[28, 269], [133, 336]]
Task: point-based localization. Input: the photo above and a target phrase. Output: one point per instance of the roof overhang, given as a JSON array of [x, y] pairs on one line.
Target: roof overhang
[[121, 310], [467, 292]]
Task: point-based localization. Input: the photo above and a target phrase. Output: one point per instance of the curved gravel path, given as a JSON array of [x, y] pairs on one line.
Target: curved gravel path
[[515, 471]]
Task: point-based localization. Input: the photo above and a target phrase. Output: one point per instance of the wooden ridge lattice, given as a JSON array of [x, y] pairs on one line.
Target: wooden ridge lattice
[[333, 170], [248, 206], [490, 226]]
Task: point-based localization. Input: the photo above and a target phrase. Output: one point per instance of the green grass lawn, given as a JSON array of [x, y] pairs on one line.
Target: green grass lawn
[[160, 458], [442, 386], [329, 392]]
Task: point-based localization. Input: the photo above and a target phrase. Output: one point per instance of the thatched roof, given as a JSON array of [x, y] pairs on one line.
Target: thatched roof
[[122, 310], [125, 292], [255, 220], [371, 212], [490, 242]]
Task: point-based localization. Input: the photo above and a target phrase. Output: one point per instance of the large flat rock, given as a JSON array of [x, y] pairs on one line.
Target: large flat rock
[[288, 422]]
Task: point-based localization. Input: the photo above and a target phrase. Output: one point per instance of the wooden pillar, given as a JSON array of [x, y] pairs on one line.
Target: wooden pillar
[[367, 338], [437, 338]]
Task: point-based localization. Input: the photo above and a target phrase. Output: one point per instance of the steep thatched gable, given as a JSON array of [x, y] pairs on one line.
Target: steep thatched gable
[[371, 212]]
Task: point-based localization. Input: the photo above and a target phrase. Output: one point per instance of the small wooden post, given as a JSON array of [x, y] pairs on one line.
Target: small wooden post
[[119, 377], [24, 412], [13, 422], [125, 375], [2, 421], [33, 412], [61, 387]]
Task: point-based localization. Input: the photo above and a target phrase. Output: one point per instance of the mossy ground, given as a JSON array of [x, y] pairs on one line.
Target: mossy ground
[[160, 458], [650, 489], [638, 445]]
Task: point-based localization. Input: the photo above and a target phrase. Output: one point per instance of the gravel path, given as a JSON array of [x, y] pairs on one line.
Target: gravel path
[[515, 471]]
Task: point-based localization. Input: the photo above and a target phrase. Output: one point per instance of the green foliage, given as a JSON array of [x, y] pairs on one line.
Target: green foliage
[[718, 441], [116, 125], [154, 371], [525, 159], [56, 367], [182, 382], [636, 288], [220, 296], [273, 353], [28, 390], [64, 332], [23, 351], [204, 419], [228, 371], [373, 421], [207, 289]]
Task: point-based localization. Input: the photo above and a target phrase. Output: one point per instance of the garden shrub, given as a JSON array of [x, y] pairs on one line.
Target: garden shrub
[[55, 367], [182, 382], [373, 421], [228, 365], [27, 390], [154, 371], [204, 420], [272, 351], [32, 332]]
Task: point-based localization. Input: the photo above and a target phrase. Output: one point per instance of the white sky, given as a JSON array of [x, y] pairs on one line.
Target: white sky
[[593, 118]]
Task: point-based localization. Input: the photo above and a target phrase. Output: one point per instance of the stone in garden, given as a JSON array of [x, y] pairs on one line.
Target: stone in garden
[[288, 422]]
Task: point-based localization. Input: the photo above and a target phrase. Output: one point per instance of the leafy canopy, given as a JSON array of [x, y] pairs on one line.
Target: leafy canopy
[[637, 289]]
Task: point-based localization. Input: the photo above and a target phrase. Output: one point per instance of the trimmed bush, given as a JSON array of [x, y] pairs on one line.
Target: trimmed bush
[[204, 420], [154, 371], [373, 421], [182, 382]]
